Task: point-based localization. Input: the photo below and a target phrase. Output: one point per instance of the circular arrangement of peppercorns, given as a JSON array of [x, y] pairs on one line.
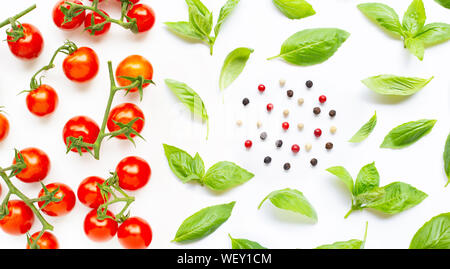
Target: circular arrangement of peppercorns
[[317, 104]]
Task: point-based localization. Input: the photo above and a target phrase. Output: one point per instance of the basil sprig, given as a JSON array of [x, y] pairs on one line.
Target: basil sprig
[[200, 24], [366, 193], [447, 159], [312, 46], [444, 3], [190, 99], [415, 34], [435, 234], [365, 130], [292, 200], [204, 222], [244, 244], [350, 244], [233, 66], [219, 177], [294, 9], [395, 85], [407, 134]]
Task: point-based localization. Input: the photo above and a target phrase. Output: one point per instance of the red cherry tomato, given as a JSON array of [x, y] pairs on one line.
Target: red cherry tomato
[[99, 230], [46, 241], [135, 233], [133, 172], [82, 65], [38, 165], [61, 208], [144, 15], [89, 193], [28, 46], [19, 220], [58, 16], [81, 126], [42, 101], [132, 1], [98, 19], [124, 113], [4, 127], [133, 66]]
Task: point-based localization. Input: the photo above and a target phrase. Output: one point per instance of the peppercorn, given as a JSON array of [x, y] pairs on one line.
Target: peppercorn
[[290, 93], [285, 126], [258, 124], [308, 147], [309, 84], [261, 88], [316, 110], [267, 160], [282, 82], [317, 132], [238, 122], [333, 129], [263, 136], [286, 112], [332, 113], [295, 148], [287, 166], [329, 145], [300, 101], [322, 99], [313, 161], [245, 101], [279, 143], [300, 126], [248, 144], [269, 107]]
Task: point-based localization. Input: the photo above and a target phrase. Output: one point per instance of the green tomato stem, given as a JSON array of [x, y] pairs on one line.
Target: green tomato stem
[[17, 16]]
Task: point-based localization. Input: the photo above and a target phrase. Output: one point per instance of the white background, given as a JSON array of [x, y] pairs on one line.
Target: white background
[[165, 202]]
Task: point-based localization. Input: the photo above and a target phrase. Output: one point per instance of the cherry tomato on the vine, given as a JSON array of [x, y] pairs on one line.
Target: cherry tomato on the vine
[[98, 19], [38, 165], [135, 233], [58, 16], [30, 45], [133, 66], [124, 113], [81, 126], [100, 230], [144, 15], [82, 65], [132, 1], [42, 101], [133, 172], [19, 220], [89, 193], [4, 127], [46, 241], [61, 208]]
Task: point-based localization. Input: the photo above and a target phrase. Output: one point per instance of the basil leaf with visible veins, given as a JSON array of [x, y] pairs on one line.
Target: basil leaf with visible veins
[[294, 9], [447, 159], [244, 244], [233, 66], [395, 85], [383, 15], [435, 234], [407, 134], [225, 175], [365, 130]]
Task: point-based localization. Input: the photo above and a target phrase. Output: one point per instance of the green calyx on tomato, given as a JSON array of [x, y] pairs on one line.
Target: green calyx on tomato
[[16, 32]]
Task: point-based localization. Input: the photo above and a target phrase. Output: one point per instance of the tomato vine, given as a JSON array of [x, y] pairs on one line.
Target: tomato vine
[[17, 31]]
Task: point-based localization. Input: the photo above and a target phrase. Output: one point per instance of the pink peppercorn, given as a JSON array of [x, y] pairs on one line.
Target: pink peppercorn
[[317, 132], [261, 88], [269, 107], [248, 144], [295, 148], [285, 125], [322, 99]]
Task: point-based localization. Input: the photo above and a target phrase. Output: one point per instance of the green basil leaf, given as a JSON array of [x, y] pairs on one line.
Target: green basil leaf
[[434, 33], [368, 179], [201, 22], [398, 197], [414, 18], [312, 46], [183, 165], [294, 9], [225, 175], [184, 29], [408, 133], [225, 11], [343, 175], [365, 198], [244, 244], [447, 159], [189, 98], [233, 66], [416, 47], [444, 3], [383, 15], [204, 222], [198, 5], [198, 166], [395, 85], [350, 244], [435, 234], [365, 130], [292, 200]]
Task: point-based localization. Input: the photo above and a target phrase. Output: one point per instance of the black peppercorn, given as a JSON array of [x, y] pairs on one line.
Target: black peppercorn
[[287, 166], [245, 101], [316, 110], [309, 84], [279, 143], [267, 160], [290, 93], [263, 136], [329, 145], [332, 113], [313, 161]]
